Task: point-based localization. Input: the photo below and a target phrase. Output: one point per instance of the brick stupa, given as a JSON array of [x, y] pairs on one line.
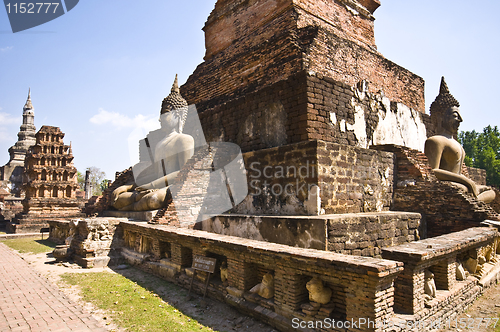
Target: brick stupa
[[50, 183], [286, 71], [300, 83]]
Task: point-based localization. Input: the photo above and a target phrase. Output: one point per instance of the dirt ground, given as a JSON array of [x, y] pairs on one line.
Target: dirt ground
[[216, 315]]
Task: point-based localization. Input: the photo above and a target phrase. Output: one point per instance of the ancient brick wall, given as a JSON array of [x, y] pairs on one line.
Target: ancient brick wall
[[359, 288], [441, 255], [232, 21], [268, 55], [477, 175], [236, 29], [351, 20], [366, 234], [353, 179], [344, 60], [350, 278], [309, 106], [350, 179]]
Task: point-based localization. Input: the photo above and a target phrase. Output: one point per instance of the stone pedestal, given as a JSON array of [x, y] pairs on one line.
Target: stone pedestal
[[95, 243]]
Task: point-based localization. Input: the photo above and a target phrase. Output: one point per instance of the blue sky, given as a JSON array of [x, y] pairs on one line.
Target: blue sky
[[104, 67]]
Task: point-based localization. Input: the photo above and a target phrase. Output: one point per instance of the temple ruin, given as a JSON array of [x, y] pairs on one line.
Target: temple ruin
[[50, 183], [11, 173], [345, 219]]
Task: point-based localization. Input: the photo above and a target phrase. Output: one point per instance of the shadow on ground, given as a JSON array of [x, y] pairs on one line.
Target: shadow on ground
[[218, 316]]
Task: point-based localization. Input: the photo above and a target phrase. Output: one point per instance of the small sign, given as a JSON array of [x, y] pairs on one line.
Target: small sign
[[204, 264]]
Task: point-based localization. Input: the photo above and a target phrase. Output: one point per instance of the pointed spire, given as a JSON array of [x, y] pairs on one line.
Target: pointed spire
[[28, 104], [443, 101], [70, 151], [175, 86], [174, 100], [444, 87]]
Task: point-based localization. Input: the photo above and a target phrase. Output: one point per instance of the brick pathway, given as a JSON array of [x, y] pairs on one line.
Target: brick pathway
[[29, 302]]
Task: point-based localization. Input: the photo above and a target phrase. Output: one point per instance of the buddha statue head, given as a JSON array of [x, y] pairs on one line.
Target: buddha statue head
[[445, 113], [174, 109]]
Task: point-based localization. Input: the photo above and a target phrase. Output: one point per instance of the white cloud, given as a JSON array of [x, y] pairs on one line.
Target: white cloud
[[7, 119], [4, 136], [119, 121], [6, 49], [139, 127]]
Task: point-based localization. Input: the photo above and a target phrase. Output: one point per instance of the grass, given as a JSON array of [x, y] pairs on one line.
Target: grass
[[30, 245], [131, 305]]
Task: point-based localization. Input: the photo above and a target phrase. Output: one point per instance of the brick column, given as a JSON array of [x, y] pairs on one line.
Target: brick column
[[409, 290], [289, 289], [155, 249], [370, 302], [236, 273], [445, 273], [181, 255], [138, 240]]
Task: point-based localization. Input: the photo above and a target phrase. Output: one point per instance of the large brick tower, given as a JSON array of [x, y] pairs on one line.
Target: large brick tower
[[300, 85], [285, 71]]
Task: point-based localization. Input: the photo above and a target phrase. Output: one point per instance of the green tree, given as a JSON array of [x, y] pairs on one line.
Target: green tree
[[483, 151], [81, 180], [468, 139], [104, 185], [97, 180]]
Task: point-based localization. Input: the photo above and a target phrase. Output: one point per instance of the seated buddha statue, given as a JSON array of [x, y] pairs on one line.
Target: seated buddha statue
[[443, 151], [151, 188]]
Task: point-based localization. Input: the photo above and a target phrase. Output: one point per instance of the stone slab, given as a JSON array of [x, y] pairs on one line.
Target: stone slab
[[439, 246], [298, 231]]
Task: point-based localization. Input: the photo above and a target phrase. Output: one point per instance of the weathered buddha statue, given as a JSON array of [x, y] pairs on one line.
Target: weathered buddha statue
[[318, 292], [151, 188], [443, 151]]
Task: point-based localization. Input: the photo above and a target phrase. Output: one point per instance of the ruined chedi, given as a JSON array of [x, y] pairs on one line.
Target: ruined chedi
[[286, 71], [296, 83], [50, 183], [11, 173]]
